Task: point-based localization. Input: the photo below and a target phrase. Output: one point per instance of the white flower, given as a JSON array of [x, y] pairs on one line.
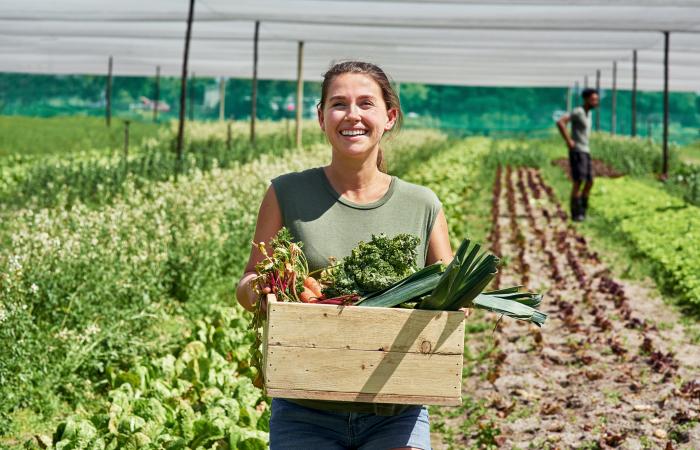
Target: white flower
[[34, 288]]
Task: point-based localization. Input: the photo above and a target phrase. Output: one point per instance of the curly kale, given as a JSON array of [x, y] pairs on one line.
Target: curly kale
[[373, 266]]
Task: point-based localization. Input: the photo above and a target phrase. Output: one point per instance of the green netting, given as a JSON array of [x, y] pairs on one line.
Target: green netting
[[462, 110]]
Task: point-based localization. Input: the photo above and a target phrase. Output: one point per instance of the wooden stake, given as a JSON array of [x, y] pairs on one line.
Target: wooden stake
[[191, 96], [634, 94], [254, 93], [126, 140], [667, 39], [597, 88], [222, 98], [613, 112], [300, 92], [156, 95], [183, 89], [108, 94]]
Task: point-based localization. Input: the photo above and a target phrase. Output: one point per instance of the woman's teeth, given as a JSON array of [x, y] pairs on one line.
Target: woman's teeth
[[353, 132]]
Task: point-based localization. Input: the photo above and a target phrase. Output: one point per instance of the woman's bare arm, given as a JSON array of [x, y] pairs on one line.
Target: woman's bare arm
[[439, 248]]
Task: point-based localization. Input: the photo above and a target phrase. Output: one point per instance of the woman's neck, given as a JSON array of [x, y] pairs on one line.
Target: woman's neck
[[358, 181]]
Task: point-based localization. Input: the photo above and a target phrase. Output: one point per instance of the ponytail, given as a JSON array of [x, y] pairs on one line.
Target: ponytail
[[381, 164]]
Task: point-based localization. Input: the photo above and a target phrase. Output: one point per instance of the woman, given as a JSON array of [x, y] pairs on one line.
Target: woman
[[330, 209]]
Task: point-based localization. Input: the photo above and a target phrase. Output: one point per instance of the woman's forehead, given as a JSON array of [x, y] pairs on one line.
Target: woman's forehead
[[355, 83]]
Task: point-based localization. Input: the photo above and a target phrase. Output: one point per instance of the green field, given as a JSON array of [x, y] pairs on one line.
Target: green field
[[117, 284]]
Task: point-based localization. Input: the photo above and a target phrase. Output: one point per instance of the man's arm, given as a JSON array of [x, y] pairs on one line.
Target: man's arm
[[562, 124]]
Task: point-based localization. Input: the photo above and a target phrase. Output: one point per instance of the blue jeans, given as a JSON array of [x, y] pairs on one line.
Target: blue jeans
[[295, 427]]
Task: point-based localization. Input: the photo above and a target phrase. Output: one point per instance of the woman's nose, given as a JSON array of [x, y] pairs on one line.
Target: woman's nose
[[353, 112]]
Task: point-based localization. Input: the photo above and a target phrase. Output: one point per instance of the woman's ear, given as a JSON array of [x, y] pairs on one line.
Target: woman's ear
[[319, 113], [392, 114]]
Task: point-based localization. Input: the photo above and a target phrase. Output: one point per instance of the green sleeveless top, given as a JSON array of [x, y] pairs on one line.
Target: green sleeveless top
[[331, 226]]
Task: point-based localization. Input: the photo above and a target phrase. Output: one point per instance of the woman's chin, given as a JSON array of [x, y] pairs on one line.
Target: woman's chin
[[354, 151]]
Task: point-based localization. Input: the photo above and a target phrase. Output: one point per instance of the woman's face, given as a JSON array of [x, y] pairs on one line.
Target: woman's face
[[354, 116]]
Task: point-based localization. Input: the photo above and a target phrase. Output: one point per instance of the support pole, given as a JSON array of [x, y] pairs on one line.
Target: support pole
[[183, 89], [597, 88], [156, 95], [191, 97], [577, 94], [300, 92], [568, 99], [222, 98], [254, 93], [108, 94], [633, 130], [126, 140], [666, 47], [613, 112], [585, 81]]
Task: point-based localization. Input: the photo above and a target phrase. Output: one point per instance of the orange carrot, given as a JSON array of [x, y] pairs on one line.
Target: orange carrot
[[307, 295], [313, 285]]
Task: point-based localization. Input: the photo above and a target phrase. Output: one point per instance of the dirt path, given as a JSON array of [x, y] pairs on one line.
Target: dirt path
[[612, 366]]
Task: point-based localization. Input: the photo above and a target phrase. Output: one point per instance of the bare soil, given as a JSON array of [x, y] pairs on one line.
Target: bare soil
[[600, 169], [612, 367]]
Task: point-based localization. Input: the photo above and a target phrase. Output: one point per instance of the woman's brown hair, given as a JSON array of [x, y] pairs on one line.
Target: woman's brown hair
[[391, 99]]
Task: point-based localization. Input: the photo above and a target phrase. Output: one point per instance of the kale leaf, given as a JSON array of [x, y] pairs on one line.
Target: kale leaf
[[373, 265]]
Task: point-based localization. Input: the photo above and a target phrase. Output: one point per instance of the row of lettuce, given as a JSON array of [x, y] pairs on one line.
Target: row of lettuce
[[91, 295], [97, 174], [662, 227], [660, 220]]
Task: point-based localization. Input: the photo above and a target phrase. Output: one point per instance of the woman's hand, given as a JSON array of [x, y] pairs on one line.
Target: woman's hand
[[467, 312], [246, 295]]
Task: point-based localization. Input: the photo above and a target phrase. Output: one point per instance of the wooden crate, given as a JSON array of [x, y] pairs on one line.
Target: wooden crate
[[379, 355]]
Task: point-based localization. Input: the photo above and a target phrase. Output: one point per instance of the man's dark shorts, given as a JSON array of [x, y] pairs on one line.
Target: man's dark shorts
[[580, 163]]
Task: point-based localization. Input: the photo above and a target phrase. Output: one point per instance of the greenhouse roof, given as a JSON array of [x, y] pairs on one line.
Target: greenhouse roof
[[494, 43]]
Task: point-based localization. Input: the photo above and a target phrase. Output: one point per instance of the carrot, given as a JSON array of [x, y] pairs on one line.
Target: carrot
[[307, 295], [313, 285]]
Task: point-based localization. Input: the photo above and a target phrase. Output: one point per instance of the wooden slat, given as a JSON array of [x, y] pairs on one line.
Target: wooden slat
[[368, 398], [358, 328], [362, 371]]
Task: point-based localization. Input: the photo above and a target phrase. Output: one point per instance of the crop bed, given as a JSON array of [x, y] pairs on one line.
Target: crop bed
[[612, 366]]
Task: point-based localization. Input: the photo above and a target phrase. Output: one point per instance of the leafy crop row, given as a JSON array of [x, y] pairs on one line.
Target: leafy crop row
[[660, 226], [456, 175], [97, 177]]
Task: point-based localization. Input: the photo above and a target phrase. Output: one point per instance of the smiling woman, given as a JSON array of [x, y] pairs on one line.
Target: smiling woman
[[330, 210], [358, 108]]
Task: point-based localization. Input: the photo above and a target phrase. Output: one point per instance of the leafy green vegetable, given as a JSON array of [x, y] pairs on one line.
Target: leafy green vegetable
[[415, 285], [372, 266], [465, 277]]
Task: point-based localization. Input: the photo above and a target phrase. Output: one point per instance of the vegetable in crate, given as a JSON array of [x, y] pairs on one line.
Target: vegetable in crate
[[372, 266], [283, 273], [460, 285]]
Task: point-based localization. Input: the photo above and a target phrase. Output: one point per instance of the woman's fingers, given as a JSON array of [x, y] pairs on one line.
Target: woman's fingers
[[467, 312]]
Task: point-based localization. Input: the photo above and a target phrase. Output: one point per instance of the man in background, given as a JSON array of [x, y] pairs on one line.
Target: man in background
[[579, 153]]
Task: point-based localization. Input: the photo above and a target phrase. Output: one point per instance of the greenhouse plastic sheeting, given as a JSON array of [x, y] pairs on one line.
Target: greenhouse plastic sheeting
[[496, 43]]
